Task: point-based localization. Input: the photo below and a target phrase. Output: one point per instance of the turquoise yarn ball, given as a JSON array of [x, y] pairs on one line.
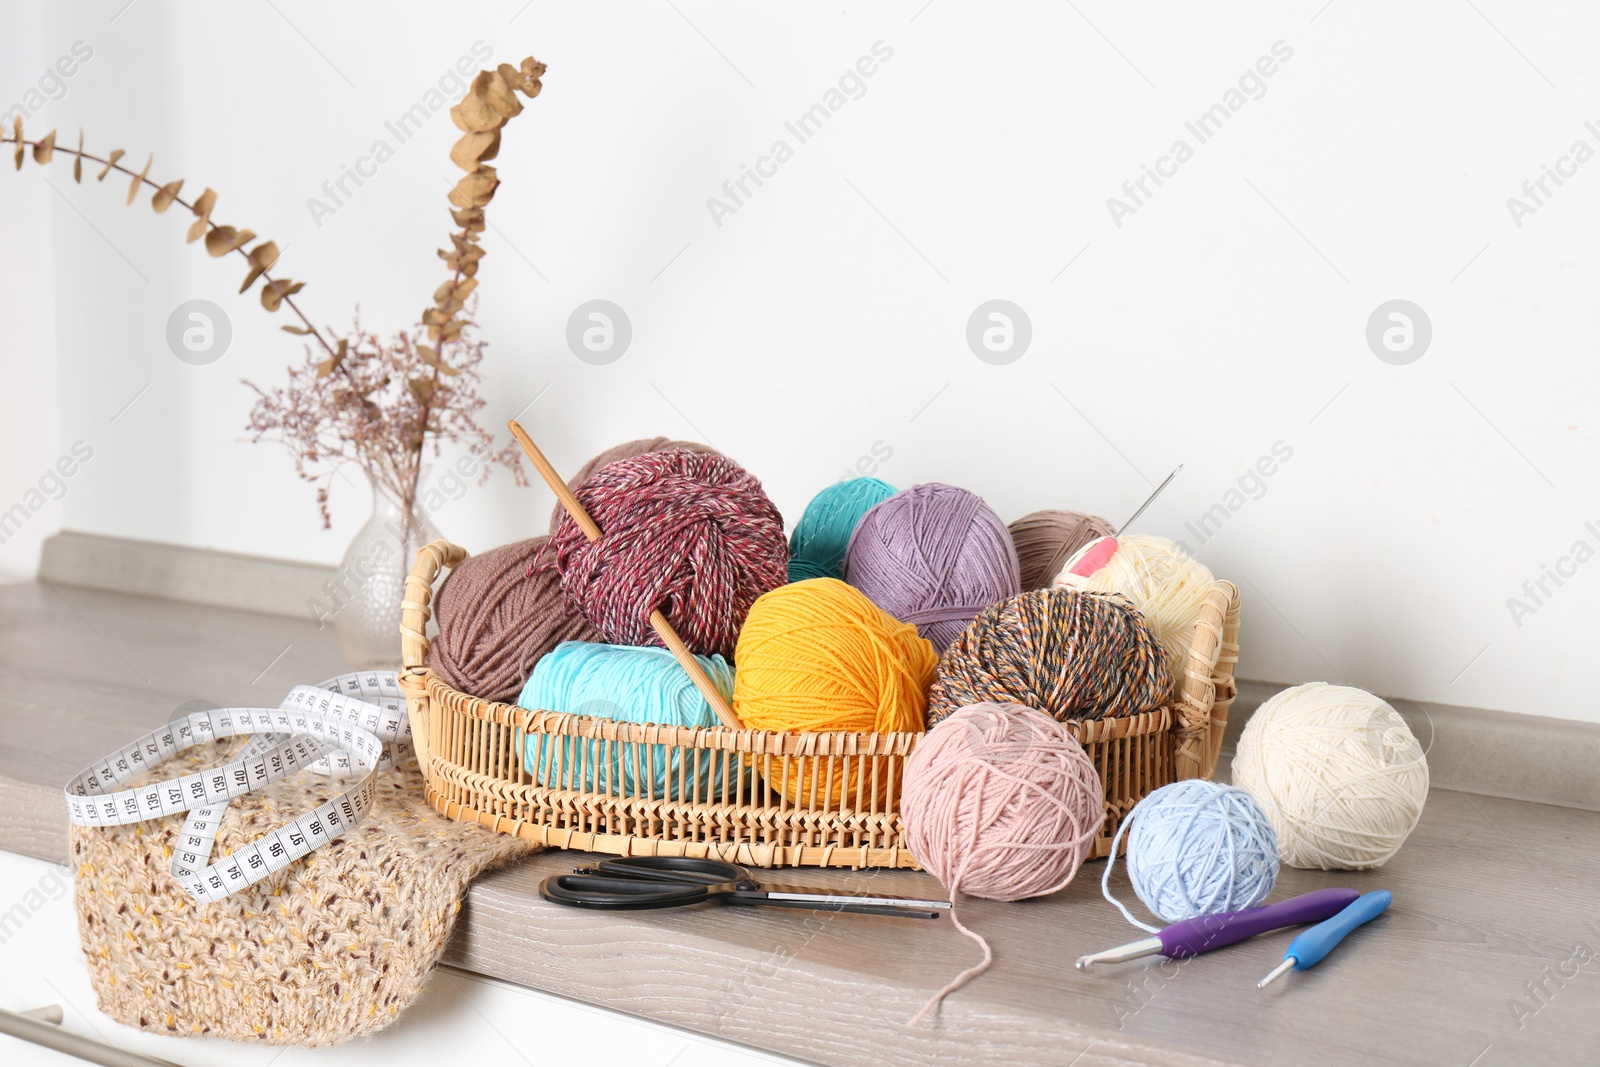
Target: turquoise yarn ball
[[626, 684], [817, 546], [1197, 847]]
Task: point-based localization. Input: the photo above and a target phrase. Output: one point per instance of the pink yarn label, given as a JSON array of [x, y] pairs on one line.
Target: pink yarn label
[[1094, 557]]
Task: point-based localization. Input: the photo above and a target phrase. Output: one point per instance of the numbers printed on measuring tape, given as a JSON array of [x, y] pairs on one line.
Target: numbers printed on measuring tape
[[352, 723]]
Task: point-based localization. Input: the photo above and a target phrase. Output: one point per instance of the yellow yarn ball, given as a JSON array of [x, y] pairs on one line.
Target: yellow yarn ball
[[1166, 584], [818, 655]]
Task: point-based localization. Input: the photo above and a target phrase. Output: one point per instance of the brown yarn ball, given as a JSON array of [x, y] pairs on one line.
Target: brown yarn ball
[[1071, 654], [627, 450], [498, 613], [1046, 539]]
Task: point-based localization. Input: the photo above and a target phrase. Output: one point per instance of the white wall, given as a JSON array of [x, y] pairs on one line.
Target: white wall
[[827, 315], [29, 442]]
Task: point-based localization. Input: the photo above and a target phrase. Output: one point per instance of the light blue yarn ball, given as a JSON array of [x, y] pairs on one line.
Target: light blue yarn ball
[[627, 684], [817, 546], [1199, 848]]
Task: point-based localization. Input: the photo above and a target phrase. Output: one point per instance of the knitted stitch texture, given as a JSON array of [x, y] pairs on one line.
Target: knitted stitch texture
[[332, 948]]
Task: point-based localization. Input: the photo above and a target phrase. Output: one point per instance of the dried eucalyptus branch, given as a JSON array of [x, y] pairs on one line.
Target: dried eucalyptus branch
[[220, 240], [369, 400]]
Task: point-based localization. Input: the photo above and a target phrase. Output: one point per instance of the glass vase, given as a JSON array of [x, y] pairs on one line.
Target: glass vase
[[367, 591]]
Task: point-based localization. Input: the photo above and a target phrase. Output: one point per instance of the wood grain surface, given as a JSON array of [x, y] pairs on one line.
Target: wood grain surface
[[1495, 905]]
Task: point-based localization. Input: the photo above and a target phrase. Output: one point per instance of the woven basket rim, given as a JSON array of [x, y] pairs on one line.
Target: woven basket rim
[[823, 742], [470, 750]]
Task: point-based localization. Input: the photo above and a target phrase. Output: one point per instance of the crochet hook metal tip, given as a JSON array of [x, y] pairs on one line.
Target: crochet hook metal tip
[[29, 1028], [1150, 946], [1277, 972], [1150, 499]]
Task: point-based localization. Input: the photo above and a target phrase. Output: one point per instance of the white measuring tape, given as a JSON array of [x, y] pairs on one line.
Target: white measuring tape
[[355, 722]]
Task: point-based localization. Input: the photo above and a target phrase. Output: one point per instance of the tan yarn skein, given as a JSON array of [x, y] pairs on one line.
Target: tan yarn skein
[[498, 613], [1045, 540]]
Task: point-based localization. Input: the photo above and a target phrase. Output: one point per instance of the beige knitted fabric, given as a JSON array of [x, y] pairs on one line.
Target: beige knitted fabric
[[332, 948]]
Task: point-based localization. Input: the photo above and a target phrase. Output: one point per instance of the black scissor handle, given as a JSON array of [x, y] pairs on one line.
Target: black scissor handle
[[681, 869], [619, 894]]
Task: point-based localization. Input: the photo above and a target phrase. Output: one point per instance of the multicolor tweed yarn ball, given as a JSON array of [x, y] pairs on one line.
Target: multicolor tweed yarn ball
[[1070, 654], [690, 533], [627, 450]]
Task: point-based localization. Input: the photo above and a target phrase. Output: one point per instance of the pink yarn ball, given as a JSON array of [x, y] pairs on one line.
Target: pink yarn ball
[[1001, 802]]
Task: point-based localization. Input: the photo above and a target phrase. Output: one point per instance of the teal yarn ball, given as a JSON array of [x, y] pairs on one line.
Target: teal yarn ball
[[626, 684], [817, 546]]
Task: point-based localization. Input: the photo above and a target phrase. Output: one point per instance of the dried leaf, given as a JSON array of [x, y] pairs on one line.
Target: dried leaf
[[500, 97], [532, 71], [262, 257], [454, 290], [452, 330], [43, 150], [77, 161], [474, 148], [475, 189], [428, 355], [422, 389], [301, 330], [275, 291], [224, 239], [331, 364], [133, 187], [467, 217], [202, 209], [116, 154], [166, 195], [475, 114]]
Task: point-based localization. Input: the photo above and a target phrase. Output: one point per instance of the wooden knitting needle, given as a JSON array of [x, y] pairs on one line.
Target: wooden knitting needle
[[669, 636]]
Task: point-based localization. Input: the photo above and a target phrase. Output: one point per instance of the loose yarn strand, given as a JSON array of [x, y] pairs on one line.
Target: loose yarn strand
[[965, 976], [1105, 878]]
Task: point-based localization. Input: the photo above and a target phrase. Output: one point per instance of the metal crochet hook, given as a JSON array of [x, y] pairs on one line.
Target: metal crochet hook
[[1149, 500], [38, 1027], [1309, 948], [1206, 932]]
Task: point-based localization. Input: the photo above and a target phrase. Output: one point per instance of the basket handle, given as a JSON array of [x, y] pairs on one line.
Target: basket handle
[[414, 609], [1207, 687]]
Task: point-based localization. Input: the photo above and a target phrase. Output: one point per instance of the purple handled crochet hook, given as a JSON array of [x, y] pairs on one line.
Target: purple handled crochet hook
[[1206, 932]]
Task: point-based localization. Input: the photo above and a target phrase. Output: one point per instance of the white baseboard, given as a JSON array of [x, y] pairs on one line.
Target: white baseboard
[[177, 572]]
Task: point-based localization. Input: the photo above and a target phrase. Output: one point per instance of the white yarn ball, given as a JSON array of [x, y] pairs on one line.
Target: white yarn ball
[[1338, 772], [1166, 584]]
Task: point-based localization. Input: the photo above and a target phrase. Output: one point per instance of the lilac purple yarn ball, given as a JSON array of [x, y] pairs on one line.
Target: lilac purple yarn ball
[[934, 556]]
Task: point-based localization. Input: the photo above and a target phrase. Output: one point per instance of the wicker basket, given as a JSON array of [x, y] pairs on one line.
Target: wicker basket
[[471, 752]]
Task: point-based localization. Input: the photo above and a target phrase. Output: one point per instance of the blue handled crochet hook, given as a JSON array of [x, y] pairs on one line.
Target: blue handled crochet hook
[[1309, 948]]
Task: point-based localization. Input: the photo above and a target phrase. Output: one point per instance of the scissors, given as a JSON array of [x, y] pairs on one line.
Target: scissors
[[635, 883]]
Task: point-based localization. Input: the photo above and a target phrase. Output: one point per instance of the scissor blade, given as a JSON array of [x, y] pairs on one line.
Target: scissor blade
[[834, 900]]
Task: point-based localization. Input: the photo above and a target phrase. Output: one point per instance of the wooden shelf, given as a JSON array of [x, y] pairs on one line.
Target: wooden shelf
[[1476, 918]]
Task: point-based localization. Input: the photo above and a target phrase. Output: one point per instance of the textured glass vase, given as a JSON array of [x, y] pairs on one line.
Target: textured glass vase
[[367, 591]]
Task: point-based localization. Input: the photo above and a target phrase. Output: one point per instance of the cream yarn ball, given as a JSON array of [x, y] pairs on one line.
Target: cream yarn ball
[[1166, 584], [1340, 775]]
